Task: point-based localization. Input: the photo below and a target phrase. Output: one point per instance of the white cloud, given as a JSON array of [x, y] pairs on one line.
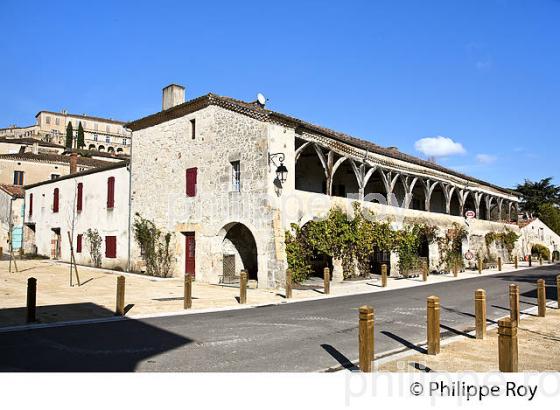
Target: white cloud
[[485, 159], [439, 146]]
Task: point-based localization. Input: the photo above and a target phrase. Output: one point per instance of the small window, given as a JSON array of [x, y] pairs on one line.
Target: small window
[[55, 200], [48, 119], [57, 121], [79, 243], [236, 176], [107, 139], [191, 181], [110, 246], [55, 176], [124, 141], [110, 192], [193, 129], [18, 177], [80, 197]]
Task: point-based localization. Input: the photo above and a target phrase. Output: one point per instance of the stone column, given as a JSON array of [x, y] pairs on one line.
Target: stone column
[[337, 272]]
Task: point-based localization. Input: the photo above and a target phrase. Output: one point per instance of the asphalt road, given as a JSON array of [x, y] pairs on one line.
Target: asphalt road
[[304, 336]]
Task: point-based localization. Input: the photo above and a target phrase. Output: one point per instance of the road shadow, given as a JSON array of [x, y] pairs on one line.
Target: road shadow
[[115, 346], [420, 367], [455, 331], [340, 358], [404, 342], [508, 310]]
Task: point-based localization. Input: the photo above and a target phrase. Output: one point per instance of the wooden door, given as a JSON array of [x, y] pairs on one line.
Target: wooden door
[[190, 252]]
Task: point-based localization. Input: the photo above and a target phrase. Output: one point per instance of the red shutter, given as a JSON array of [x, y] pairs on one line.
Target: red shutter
[[79, 243], [110, 246], [55, 200], [110, 192], [191, 181], [30, 205], [80, 197]]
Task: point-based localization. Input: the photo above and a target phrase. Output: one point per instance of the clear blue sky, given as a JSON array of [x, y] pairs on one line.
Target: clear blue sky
[[484, 73]]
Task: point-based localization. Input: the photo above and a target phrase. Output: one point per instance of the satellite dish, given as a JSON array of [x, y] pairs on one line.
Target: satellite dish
[[261, 99]]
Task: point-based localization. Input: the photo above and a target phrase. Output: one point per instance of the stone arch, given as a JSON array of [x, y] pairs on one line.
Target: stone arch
[[119, 150], [437, 199], [418, 198], [455, 203], [111, 150], [469, 202], [101, 148], [91, 147], [483, 208], [239, 243], [344, 180]]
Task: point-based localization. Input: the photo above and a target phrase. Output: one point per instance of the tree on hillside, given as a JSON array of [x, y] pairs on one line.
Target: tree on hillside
[[536, 194], [81, 141], [69, 136]]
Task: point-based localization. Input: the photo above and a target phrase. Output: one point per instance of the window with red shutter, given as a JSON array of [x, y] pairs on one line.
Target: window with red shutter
[[191, 181], [110, 192], [55, 200], [79, 243], [30, 205], [110, 246], [79, 198]]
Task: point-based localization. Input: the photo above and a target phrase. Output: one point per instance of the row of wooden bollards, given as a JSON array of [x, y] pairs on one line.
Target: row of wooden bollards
[[507, 327], [31, 307]]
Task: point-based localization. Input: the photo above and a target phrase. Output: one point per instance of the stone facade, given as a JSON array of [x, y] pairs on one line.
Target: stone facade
[[536, 232], [325, 169]]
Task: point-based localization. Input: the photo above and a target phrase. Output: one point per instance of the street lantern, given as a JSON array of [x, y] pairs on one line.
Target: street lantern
[[281, 170]]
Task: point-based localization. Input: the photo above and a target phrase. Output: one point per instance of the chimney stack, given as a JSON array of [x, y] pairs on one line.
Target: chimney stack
[[173, 95], [73, 163]]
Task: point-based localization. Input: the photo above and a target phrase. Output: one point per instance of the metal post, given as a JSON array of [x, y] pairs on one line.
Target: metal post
[[384, 275], [187, 298], [365, 338], [499, 263], [480, 313], [120, 295], [514, 302], [507, 345], [31, 300], [433, 325], [288, 284], [541, 297], [326, 281], [243, 287], [530, 260]]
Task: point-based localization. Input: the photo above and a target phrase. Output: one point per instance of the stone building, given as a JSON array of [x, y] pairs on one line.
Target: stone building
[[100, 134], [21, 145], [244, 173], [31, 167], [535, 232], [96, 199]]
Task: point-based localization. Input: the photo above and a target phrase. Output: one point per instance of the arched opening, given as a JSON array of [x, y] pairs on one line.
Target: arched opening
[[101, 148], [345, 183], [119, 150], [239, 251], [418, 197], [469, 205], [399, 191], [555, 256], [482, 210], [437, 201], [111, 150], [309, 173], [455, 204], [374, 190], [91, 147]]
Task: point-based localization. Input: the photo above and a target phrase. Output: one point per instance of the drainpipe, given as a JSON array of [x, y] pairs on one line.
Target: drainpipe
[[129, 261]]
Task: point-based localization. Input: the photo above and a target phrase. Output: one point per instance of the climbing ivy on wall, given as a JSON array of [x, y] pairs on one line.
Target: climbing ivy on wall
[[352, 239], [449, 246], [94, 240], [155, 247], [508, 238]]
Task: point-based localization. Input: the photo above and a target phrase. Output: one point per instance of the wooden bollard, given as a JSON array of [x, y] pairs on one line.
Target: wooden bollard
[[425, 271], [455, 269], [31, 300], [530, 261], [514, 302], [120, 296], [499, 263], [540, 260], [558, 291], [288, 284], [515, 262], [384, 275], [243, 287], [187, 298], [326, 281], [541, 297], [480, 313], [365, 338], [433, 325], [479, 265], [507, 345]]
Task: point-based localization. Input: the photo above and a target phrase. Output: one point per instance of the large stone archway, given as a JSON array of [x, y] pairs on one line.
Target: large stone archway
[[239, 250]]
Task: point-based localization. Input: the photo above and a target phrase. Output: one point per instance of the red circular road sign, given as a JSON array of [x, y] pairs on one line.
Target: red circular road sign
[[470, 214], [469, 255]]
